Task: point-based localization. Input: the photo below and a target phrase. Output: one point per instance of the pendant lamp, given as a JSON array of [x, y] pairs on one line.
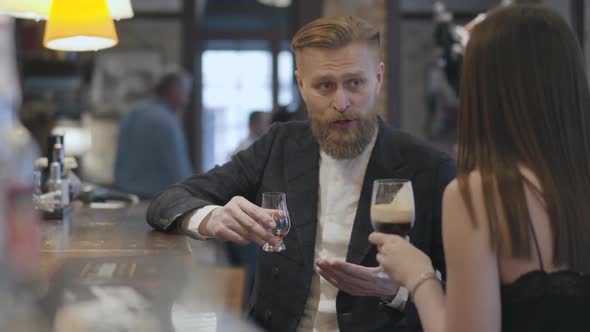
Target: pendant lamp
[[79, 25], [29, 9], [120, 9], [39, 9]]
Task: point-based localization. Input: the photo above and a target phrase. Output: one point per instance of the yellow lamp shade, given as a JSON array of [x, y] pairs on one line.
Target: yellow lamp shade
[[31, 9], [79, 25], [39, 9], [120, 9]]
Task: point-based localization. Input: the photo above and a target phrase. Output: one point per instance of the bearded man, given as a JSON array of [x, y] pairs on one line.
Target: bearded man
[[327, 279]]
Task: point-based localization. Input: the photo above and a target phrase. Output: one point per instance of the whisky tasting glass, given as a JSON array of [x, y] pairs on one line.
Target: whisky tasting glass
[[276, 202]]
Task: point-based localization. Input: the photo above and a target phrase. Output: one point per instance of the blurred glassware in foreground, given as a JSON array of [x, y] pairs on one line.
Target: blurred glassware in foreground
[[19, 223]]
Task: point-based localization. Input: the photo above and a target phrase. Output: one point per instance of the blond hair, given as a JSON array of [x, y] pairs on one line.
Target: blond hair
[[335, 32]]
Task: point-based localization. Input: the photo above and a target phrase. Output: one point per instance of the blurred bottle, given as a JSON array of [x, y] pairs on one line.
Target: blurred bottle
[[54, 153]]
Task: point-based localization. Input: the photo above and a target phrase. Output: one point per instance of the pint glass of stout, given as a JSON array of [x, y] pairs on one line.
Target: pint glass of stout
[[392, 206]]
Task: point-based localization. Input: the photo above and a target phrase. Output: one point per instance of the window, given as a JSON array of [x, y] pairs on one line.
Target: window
[[237, 80], [286, 74]]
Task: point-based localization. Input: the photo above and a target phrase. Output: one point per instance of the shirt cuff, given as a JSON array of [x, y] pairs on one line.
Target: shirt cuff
[[401, 298], [195, 220]]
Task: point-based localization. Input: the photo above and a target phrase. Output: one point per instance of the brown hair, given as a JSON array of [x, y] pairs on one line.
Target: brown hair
[[335, 32], [525, 101]]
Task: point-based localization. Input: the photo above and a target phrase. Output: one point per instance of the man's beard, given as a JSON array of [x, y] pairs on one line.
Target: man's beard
[[344, 143]]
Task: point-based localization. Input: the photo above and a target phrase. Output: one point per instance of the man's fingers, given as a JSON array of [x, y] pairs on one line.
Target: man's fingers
[[238, 228], [229, 235], [355, 280], [341, 284], [250, 226], [329, 278], [343, 278], [353, 270], [344, 269], [257, 213], [351, 281], [270, 212]]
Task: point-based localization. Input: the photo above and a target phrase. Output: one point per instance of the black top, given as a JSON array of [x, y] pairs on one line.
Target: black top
[[541, 301]]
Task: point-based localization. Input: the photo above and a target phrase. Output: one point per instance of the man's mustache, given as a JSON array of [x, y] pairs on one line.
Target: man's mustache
[[341, 117]]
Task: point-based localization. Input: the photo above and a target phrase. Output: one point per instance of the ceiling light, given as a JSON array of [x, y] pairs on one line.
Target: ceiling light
[[276, 3], [39, 9], [29, 9], [75, 25]]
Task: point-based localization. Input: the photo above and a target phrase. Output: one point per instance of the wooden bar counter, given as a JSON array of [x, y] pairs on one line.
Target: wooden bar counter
[[112, 256], [98, 256], [90, 232]]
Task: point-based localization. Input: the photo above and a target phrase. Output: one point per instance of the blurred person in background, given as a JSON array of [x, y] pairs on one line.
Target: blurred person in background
[[443, 73], [152, 151], [258, 123], [281, 114]]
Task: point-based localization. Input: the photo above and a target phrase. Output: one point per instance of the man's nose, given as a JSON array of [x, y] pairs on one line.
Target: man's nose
[[341, 101]]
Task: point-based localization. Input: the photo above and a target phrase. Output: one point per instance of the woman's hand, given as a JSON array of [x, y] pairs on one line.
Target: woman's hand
[[402, 261]]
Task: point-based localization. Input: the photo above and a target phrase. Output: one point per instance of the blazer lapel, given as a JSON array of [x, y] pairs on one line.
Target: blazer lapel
[[385, 162], [302, 170]]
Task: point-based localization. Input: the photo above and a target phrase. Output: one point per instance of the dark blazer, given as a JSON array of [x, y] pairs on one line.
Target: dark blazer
[[287, 159]]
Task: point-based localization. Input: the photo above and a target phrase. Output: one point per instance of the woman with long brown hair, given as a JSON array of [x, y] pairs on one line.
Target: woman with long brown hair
[[516, 222]]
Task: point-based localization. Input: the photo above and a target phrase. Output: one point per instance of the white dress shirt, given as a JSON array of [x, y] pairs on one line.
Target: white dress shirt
[[340, 183], [340, 188]]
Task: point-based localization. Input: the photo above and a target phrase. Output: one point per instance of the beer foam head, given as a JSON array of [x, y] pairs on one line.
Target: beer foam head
[[400, 210], [404, 200]]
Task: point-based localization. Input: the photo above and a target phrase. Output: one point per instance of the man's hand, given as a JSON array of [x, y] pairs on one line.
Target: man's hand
[[357, 280], [241, 222]]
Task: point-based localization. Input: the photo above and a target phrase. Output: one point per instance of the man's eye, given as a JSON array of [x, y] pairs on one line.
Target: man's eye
[[355, 83], [325, 86]]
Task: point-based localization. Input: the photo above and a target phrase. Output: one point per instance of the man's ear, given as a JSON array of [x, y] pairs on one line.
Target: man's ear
[[300, 85], [299, 80], [380, 73]]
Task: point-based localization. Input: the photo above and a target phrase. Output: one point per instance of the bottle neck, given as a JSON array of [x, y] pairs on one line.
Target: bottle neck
[[55, 172]]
